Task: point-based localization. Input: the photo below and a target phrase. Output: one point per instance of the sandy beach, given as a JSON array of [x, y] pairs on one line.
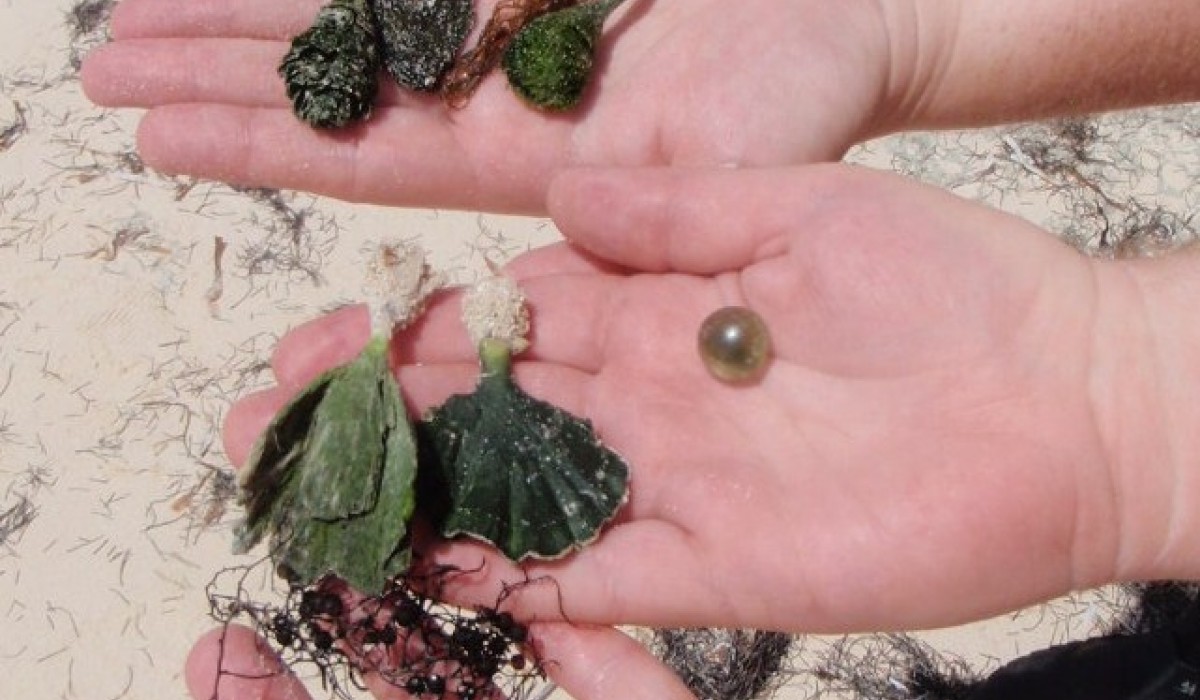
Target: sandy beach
[[135, 307]]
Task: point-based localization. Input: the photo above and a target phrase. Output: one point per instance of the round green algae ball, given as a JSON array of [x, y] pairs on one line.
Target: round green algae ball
[[735, 345], [549, 63]]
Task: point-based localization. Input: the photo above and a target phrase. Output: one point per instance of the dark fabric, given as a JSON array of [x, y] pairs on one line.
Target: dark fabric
[[1160, 665]]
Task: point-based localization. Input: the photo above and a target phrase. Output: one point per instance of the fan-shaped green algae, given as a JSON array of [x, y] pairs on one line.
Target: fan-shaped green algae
[[334, 479], [516, 471], [508, 468]]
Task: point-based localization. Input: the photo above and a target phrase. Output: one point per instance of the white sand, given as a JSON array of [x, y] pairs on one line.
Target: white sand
[[120, 349]]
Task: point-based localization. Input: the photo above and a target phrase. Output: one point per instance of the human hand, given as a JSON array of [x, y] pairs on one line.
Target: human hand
[[682, 83], [588, 662], [930, 444], [934, 441]]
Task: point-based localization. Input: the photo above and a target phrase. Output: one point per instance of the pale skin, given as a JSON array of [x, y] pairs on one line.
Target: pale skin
[[911, 459], [684, 83], [963, 416]]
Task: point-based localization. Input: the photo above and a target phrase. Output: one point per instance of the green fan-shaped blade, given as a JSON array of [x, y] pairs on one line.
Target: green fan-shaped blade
[[332, 478], [368, 548], [267, 480], [519, 472], [346, 432]]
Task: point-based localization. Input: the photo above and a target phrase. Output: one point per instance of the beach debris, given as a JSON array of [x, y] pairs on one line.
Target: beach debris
[[513, 470], [87, 24], [15, 519], [331, 70], [401, 636], [725, 664], [549, 62], [13, 123], [892, 666], [419, 39]]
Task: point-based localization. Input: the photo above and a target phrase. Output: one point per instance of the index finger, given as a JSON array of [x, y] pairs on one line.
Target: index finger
[[263, 19]]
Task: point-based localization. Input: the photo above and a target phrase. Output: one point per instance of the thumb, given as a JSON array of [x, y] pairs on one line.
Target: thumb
[[232, 663], [598, 663], [695, 221]]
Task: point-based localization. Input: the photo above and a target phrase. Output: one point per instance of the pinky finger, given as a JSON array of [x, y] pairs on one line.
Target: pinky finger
[[599, 663], [233, 663]]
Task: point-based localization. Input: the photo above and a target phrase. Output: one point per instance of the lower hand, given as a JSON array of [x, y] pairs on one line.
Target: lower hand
[[925, 448]]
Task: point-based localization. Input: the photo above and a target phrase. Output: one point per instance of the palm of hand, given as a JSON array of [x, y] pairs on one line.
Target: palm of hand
[[684, 83], [910, 458]]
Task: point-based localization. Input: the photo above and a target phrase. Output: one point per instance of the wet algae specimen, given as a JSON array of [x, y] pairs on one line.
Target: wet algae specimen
[[549, 62], [331, 71], [334, 479], [420, 38], [548, 49], [339, 474], [517, 472]]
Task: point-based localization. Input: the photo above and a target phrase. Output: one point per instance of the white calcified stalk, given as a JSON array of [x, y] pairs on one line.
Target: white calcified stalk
[[397, 283], [495, 308]]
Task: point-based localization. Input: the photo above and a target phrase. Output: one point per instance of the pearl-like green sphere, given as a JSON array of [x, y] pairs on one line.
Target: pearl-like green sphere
[[735, 344]]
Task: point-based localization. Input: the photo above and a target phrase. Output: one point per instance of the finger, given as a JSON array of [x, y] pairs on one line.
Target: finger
[[247, 418], [600, 663], [683, 220], [559, 258], [399, 156], [569, 315], [321, 344], [233, 663], [230, 71], [268, 19], [152, 72], [640, 572]]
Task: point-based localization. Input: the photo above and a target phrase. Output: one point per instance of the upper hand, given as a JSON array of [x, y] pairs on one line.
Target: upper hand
[[699, 82]]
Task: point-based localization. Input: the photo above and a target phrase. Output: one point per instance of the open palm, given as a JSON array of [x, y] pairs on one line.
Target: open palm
[[922, 451], [682, 82]]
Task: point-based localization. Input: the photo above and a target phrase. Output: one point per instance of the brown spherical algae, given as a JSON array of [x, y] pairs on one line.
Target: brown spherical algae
[[735, 345]]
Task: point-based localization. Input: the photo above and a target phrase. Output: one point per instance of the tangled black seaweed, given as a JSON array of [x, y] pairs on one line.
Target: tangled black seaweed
[[402, 636], [1156, 605], [723, 664], [889, 667]]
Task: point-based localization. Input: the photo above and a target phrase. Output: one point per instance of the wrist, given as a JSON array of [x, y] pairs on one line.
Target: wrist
[[1145, 379], [960, 64], [921, 39]]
